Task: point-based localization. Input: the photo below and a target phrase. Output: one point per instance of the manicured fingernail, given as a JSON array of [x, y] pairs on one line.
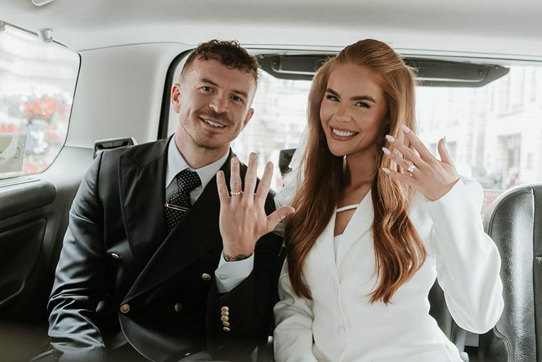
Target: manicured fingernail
[[390, 138], [406, 129], [386, 170], [386, 151], [444, 139]]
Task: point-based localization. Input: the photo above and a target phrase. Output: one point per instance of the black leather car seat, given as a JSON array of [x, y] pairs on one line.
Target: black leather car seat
[[514, 221]]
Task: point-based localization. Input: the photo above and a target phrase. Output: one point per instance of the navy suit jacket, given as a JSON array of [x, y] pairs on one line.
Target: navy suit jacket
[[121, 278]]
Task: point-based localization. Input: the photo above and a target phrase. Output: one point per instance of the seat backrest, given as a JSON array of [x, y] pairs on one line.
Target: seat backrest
[[514, 222], [442, 315]]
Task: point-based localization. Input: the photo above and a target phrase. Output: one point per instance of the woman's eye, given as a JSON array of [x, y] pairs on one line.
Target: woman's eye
[[332, 98], [363, 105]]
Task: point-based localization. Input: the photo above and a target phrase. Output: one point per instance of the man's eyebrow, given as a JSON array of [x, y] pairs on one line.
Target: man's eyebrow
[[240, 92], [205, 80], [356, 98]]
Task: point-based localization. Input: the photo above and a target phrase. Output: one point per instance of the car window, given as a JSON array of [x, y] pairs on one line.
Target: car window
[[37, 82], [493, 132]]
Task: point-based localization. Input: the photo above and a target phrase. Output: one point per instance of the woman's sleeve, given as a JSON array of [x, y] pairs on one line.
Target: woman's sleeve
[[467, 259], [292, 338]]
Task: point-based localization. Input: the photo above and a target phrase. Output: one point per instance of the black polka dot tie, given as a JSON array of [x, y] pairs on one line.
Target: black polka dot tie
[[178, 204]]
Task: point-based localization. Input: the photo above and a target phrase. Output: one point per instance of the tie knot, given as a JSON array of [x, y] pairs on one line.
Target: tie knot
[[187, 180]]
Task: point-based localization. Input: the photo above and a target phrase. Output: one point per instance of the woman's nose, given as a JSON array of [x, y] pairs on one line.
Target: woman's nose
[[342, 115]]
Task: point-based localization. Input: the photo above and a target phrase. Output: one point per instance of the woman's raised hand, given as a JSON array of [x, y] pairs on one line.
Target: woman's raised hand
[[243, 219], [426, 174]]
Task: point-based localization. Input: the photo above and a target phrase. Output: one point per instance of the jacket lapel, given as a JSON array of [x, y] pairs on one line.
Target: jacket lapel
[[325, 249], [360, 223], [142, 178], [194, 236]]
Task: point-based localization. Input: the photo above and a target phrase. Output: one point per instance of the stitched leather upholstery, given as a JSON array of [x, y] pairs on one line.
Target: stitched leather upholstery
[[515, 223]]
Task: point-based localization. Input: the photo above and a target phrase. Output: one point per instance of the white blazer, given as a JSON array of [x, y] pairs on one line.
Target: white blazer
[[340, 324]]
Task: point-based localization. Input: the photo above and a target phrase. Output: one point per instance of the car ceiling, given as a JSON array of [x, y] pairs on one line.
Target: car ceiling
[[465, 27]]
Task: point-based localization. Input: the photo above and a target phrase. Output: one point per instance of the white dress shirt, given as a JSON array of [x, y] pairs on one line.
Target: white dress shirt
[[228, 274]]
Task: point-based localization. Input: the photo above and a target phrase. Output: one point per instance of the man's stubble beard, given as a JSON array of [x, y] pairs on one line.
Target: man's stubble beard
[[189, 137], [205, 145]]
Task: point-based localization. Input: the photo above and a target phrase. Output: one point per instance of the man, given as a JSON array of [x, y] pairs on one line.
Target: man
[[144, 272]]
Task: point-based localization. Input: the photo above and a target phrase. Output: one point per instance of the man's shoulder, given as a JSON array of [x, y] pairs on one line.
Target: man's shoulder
[[142, 153]]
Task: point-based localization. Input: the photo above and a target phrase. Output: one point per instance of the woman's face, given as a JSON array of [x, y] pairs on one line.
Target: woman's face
[[352, 111]]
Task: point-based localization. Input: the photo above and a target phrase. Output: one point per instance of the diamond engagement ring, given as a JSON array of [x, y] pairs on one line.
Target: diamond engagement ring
[[411, 168]]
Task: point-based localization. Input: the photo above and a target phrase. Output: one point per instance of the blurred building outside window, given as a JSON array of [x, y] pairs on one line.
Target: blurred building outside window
[[37, 83]]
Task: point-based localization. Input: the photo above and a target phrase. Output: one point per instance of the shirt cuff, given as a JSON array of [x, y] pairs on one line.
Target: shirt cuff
[[231, 274]]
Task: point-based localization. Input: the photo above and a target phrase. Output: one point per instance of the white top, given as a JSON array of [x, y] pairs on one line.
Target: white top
[[340, 324], [348, 207]]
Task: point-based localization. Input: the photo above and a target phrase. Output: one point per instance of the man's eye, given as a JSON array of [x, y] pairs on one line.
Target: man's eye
[[206, 88], [237, 99]]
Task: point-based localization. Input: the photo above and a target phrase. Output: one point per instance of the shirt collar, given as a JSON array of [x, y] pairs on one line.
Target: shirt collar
[[176, 163]]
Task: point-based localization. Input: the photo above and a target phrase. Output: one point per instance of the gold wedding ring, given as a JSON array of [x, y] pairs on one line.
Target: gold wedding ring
[[236, 193]]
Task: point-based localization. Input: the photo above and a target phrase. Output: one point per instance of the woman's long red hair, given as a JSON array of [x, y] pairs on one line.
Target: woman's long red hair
[[399, 251]]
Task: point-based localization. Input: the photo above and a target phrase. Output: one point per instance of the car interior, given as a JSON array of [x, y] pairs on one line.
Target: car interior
[[80, 77]]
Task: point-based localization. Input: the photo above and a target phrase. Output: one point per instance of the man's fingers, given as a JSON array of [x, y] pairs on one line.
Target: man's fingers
[[277, 216], [250, 177], [265, 183], [235, 178], [223, 194]]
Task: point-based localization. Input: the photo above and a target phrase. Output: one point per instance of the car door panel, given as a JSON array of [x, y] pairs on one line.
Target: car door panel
[[33, 220]]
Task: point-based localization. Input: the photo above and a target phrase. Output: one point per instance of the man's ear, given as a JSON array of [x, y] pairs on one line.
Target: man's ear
[[249, 115], [175, 97]]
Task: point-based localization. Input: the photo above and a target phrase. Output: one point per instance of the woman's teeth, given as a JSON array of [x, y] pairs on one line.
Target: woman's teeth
[[342, 133]]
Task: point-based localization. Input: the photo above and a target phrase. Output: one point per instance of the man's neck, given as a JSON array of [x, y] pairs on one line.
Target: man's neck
[[197, 156]]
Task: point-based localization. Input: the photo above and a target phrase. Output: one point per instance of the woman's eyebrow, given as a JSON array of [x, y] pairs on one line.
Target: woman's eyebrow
[[355, 98], [363, 98]]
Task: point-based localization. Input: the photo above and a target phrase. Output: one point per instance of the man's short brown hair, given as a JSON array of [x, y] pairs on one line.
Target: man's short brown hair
[[228, 53]]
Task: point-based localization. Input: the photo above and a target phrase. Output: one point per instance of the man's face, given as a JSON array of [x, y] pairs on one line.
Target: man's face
[[213, 103]]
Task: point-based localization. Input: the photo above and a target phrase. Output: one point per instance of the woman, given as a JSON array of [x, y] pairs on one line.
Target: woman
[[377, 219]]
